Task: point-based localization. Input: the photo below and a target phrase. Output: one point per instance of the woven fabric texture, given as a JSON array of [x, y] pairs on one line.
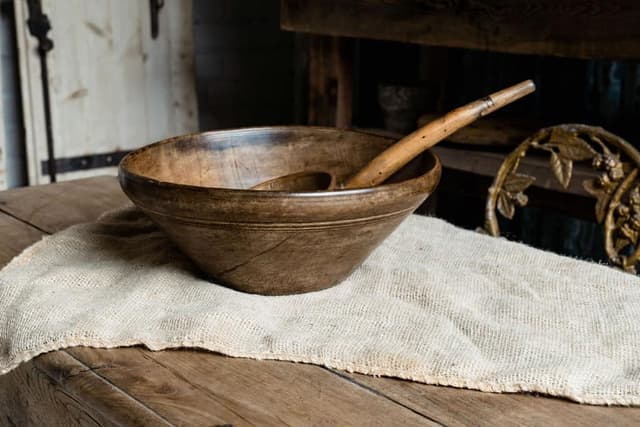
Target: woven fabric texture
[[434, 304]]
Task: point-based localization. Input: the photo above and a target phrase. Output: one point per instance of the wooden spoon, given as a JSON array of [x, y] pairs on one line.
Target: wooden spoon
[[402, 152]]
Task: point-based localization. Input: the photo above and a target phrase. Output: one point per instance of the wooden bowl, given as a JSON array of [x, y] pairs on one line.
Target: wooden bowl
[[195, 188]]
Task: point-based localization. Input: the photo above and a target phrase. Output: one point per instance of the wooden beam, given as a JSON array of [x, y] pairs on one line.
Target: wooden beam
[[323, 82], [330, 82], [486, 163], [570, 28], [344, 73]]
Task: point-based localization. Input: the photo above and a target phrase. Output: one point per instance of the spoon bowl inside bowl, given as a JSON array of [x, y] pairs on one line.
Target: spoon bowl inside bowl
[[297, 182]]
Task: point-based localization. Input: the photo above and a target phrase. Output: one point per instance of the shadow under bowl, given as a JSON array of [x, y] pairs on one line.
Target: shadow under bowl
[[196, 189]]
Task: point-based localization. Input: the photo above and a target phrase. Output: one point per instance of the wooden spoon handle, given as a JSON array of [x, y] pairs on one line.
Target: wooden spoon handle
[[402, 152]]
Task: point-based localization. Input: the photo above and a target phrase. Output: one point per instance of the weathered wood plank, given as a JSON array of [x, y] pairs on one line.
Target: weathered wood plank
[[330, 82], [582, 29], [323, 82], [28, 397], [304, 394], [344, 74], [138, 382], [84, 384], [15, 236], [459, 407], [55, 207], [487, 163], [190, 387]]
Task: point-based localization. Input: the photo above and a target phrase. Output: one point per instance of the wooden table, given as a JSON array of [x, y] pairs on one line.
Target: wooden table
[[134, 386]]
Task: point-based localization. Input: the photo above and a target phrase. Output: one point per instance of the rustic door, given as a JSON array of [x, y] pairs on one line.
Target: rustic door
[[113, 85]]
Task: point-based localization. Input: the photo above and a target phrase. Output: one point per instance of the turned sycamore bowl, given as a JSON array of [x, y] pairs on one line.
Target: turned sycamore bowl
[[197, 189]]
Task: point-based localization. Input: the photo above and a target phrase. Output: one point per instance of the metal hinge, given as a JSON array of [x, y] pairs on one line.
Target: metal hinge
[[93, 161]]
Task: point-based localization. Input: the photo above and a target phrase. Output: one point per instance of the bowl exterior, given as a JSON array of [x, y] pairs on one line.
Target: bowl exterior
[[277, 243], [279, 259]]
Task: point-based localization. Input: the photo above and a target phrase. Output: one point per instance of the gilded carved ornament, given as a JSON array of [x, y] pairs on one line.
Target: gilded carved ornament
[[616, 189]]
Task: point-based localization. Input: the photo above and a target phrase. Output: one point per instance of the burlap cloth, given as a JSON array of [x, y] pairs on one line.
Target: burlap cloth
[[434, 304]]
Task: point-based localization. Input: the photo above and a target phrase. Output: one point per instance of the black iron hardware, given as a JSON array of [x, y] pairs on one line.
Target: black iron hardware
[[155, 6], [39, 25], [71, 164]]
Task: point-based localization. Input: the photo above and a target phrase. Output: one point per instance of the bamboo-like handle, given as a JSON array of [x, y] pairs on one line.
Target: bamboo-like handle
[[402, 152]]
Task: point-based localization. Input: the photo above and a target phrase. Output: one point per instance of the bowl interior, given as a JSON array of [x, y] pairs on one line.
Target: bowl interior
[[242, 158]]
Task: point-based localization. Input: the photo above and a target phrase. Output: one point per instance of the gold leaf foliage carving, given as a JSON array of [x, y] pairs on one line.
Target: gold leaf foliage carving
[[601, 195], [570, 146], [512, 194], [516, 183], [578, 151], [616, 188], [506, 206], [561, 168]]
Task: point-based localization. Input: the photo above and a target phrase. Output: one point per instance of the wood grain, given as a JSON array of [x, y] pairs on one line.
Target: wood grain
[[458, 407], [581, 28], [139, 379], [84, 384], [194, 387], [487, 164], [28, 397], [55, 207], [330, 97], [16, 235], [323, 81], [344, 74]]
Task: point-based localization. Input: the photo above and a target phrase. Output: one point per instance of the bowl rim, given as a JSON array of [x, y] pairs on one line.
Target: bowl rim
[[416, 182]]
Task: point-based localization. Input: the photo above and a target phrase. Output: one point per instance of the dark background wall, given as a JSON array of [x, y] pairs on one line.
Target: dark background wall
[[245, 68]]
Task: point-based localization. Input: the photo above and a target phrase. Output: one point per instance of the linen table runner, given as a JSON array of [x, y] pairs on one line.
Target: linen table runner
[[434, 304]]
